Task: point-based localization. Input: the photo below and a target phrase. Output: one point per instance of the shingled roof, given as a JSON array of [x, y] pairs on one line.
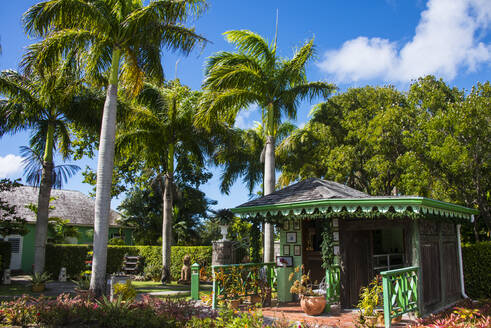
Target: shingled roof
[[320, 196], [69, 205], [307, 190]]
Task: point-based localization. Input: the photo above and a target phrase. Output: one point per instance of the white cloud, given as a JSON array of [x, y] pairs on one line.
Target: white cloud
[[446, 40], [244, 119], [10, 165]]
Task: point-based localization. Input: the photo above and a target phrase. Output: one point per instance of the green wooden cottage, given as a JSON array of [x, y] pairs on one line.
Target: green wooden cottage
[[70, 205], [364, 235]]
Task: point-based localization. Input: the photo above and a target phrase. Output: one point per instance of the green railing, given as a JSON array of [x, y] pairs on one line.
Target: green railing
[[333, 285], [235, 281], [400, 288]]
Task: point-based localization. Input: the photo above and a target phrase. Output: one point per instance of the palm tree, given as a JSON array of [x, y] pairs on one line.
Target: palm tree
[[119, 40], [158, 131], [45, 104], [239, 154], [257, 75]]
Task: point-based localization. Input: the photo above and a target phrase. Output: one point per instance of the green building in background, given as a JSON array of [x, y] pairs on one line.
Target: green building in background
[[72, 206]]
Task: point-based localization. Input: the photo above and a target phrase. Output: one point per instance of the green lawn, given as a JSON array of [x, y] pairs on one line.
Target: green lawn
[[150, 286], [15, 290]]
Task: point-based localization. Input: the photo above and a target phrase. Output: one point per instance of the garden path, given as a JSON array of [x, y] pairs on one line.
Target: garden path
[[293, 313]]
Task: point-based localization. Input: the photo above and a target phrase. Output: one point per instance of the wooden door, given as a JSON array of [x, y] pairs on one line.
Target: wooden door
[[311, 251], [430, 273], [357, 252]]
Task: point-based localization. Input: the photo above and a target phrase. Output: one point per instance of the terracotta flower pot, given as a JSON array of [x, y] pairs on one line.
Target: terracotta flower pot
[[371, 320], [38, 288], [397, 319], [255, 299], [313, 305]]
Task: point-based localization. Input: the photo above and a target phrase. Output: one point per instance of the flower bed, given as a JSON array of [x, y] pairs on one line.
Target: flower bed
[[467, 314], [84, 311]]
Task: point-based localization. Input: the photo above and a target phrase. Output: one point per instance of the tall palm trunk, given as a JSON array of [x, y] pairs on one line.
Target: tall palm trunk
[[43, 203], [105, 164], [167, 217], [269, 186]]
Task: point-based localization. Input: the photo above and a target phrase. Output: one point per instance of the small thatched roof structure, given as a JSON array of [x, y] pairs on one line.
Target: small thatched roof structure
[[69, 205]]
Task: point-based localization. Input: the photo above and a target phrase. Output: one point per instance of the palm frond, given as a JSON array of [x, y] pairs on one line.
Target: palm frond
[[234, 76], [225, 105], [251, 44], [45, 16], [33, 169], [55, 46]]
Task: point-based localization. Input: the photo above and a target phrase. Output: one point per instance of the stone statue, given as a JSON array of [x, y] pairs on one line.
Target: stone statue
[[62, 275], [6, 277], [185, 270]]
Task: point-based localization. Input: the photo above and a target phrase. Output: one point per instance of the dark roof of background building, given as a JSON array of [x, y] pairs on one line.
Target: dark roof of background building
[[70, 205], [307, 190]]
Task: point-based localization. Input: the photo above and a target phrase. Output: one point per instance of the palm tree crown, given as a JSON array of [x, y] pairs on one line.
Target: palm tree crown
[[256, 75]]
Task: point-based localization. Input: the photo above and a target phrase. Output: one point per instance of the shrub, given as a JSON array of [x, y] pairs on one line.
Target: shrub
[[116, 241], [152, 272], [477, 275], [72, 257], [86, 312], [199, 254], [17, 313], [125, 291]]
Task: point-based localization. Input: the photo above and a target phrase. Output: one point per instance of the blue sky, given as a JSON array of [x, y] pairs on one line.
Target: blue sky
[[358, 42]]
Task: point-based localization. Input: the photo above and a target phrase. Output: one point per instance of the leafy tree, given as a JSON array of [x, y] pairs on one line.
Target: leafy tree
[[257, 75], [452, 142], [10, 222], [117, 40], [355, 138], [44, 103]]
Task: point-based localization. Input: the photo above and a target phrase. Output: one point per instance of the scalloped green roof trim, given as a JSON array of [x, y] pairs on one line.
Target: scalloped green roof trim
[[421, 205]]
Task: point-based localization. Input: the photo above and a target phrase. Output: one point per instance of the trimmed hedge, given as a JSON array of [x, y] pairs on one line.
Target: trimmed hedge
[[477, 269], [73, 257]]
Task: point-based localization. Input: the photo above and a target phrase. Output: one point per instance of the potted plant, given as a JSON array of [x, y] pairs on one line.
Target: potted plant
[[369, 300], [39, 281], [312, 302], [223, 217], [82, 285]]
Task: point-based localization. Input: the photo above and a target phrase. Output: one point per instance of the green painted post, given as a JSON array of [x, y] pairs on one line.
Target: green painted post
[[328, 292], [195, 281], [387, 301]]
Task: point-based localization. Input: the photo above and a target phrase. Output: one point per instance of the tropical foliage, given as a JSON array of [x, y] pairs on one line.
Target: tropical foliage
[[116, 40], [256, 75], [431, 141], [44, 103]]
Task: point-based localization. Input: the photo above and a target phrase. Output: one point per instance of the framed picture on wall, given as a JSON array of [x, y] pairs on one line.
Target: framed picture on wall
[[297, 250], [284, 261], [296, 225], [286, 225], [291, 237], [286, 250]]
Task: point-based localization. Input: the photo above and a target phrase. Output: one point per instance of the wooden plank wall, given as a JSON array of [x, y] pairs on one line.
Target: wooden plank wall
[[440, 276]]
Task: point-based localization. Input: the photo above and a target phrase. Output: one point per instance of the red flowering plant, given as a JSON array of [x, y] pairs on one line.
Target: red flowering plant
[[19, 312], [468, 314]]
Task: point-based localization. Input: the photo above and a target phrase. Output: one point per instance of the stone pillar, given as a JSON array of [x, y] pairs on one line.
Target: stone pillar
[[223, 252]]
